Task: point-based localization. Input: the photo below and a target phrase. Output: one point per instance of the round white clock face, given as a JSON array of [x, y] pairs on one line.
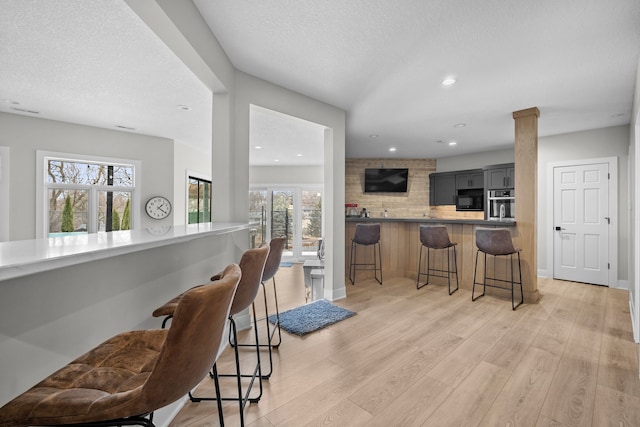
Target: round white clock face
[[158, 207]]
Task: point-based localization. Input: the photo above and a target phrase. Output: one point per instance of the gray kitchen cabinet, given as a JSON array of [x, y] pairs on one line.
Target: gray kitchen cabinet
[[471, 179], [499, 176], [442, 189]]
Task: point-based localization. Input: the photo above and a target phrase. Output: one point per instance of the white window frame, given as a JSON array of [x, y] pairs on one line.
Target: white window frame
[[42, 188], [4, 194], [196, 175]]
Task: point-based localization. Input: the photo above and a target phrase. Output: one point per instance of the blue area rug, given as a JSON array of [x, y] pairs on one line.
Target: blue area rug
[[286, 264], [311, 317]]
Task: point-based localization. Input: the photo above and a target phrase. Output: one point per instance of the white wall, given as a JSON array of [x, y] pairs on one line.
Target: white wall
[[286, 175], [24, 135], [186, 158], [253, 91], [4, 194], [474, 161], [634, 209], [597, 143]]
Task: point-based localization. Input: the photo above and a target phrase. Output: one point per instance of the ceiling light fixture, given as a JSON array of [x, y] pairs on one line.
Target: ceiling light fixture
[[184, 107], [392, 149], [448, 81], [258, 147], [452, 143], [373, 135], [298, 155], [276, 160], [459, 125]]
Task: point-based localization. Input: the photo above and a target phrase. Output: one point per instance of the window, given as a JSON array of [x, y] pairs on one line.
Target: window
[[87, 195], [199, 202]]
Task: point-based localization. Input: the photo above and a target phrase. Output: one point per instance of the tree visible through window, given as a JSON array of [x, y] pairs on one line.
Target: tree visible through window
[[87, 196], [199, 200]]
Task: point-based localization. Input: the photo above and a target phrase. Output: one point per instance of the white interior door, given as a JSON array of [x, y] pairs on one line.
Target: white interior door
[[581, 223]]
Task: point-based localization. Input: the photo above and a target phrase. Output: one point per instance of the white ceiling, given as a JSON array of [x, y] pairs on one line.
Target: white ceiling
[[383, 61], [95, 62]]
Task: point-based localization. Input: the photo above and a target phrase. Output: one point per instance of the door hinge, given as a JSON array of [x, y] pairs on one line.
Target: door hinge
[[608, 175], [608, 266]]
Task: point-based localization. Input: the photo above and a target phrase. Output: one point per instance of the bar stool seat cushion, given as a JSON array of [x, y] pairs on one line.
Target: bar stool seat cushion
[[495, 241]]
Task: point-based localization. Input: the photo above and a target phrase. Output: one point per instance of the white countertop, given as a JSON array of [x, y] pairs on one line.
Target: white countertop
[[23, 257]]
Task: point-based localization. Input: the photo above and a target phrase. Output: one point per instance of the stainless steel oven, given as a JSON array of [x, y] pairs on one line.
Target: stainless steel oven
[[501, 205]]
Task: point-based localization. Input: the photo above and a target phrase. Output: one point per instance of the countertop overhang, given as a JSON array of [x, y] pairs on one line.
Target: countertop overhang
[[482, 222], [24, 257]]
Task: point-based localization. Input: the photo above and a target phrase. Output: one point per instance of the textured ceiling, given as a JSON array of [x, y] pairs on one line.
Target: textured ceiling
[[383, 62], [95, 62]]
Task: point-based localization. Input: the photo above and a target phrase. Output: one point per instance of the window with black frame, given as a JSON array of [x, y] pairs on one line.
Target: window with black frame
[[199, 205]]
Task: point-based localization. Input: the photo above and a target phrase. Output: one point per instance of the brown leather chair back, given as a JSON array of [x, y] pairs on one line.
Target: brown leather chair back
[[435, 237], [367, 234], [495, 241], [252, 265], [275, 256], [194, 339]]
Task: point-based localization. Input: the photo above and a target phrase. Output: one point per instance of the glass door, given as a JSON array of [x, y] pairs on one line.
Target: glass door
[[292, 212]]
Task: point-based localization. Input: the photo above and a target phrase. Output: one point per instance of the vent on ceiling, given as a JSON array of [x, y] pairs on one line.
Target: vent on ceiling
[[24, 110]]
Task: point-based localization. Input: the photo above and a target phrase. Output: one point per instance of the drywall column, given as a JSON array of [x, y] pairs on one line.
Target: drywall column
[[526, 165]]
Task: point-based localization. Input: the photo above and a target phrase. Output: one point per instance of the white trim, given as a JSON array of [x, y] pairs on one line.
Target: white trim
[[4, 194], [197, 175], [634, 297], [41, 194], [612, 280]]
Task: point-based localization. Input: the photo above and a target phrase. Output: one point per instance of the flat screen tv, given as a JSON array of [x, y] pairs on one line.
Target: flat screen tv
[[386, 180]]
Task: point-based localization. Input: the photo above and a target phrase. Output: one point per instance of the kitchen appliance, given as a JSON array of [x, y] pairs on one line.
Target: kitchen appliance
[[501, 205], [469, 200]]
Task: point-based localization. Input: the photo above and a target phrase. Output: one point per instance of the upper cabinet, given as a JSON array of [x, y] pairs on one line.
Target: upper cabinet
[[444, 186], [442, 189], [471, 179], [499, 176]]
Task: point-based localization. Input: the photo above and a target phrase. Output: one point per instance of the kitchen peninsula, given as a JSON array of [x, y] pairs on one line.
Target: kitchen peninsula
[[400, 245]]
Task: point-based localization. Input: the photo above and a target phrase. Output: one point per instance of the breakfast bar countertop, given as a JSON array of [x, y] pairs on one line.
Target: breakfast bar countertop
[[426, 220], [24, 257]]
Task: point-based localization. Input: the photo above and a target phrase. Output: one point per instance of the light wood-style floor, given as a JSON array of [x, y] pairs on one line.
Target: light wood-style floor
[[424, 358]]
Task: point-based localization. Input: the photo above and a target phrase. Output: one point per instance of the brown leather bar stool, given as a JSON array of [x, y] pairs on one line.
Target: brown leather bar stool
[[124, 379], [271, 267], [437, 238], [252, 265], [366, 235], [497, 242]]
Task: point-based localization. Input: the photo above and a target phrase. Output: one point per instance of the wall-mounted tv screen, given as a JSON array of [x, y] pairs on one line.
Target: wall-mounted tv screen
[[386, 180]]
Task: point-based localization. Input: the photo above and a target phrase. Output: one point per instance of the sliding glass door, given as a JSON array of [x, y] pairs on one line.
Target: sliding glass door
[[294, 212]]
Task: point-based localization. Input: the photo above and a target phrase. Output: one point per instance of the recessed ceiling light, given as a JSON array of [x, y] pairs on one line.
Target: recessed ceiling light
[[439, 141], [258, 147], [392, 149], [452, 143], [459, 125], [276, 160], [184, 107], [449, 81], [298, 155], [373, 135]]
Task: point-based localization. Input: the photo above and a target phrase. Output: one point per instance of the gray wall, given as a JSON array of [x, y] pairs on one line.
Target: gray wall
[[474, 161], [24, 135]]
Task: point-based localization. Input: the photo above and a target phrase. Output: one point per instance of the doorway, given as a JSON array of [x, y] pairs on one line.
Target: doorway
[[583, 219]]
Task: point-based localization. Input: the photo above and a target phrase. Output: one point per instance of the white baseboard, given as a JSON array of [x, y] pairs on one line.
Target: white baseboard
[[544, 273], [621, 284]]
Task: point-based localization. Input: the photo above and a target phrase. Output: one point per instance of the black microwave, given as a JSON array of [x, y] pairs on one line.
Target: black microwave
[[469, 202]]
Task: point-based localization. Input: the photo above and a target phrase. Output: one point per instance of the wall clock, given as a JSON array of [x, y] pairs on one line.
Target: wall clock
[[158, 207]]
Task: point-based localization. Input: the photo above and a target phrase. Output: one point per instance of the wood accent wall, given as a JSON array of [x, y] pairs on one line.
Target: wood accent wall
[[400, 249]]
